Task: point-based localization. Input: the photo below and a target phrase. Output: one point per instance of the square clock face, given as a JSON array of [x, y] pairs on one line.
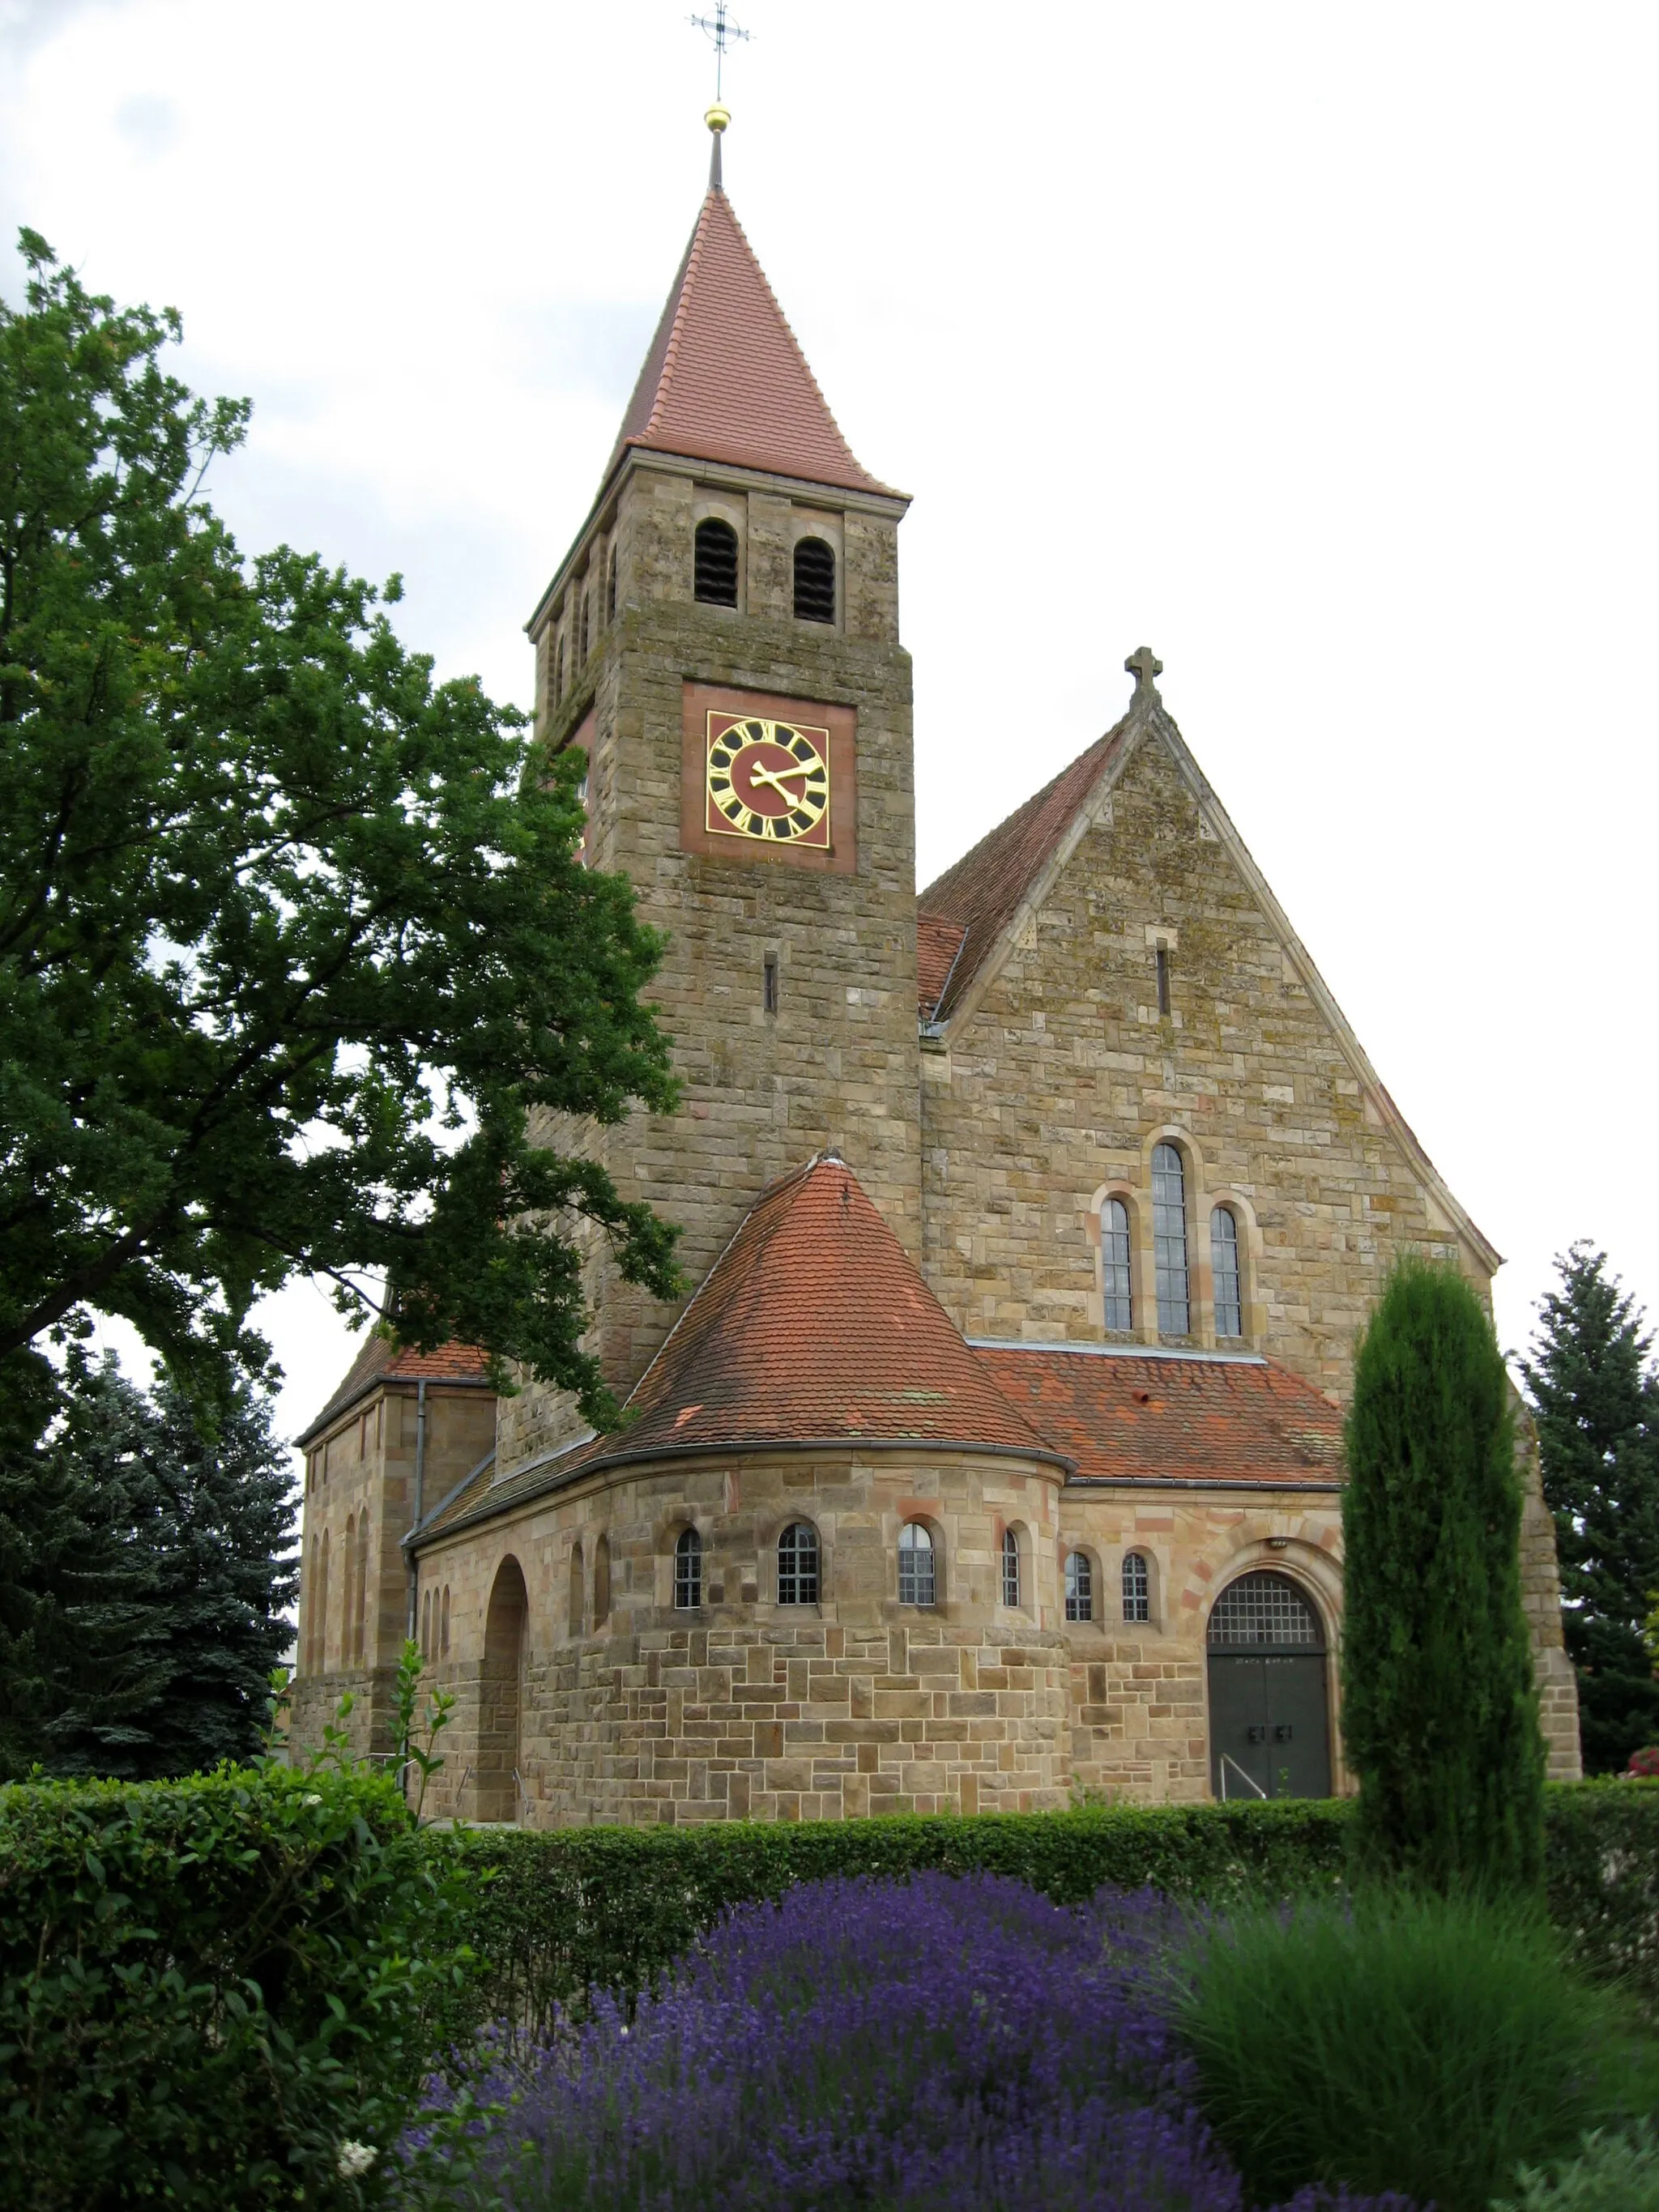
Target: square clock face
[[766, 781]]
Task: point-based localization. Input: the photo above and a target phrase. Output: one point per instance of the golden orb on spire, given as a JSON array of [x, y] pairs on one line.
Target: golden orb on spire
[[718, 118]]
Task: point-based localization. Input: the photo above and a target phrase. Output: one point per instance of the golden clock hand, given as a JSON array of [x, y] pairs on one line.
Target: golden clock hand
[[777, 780]]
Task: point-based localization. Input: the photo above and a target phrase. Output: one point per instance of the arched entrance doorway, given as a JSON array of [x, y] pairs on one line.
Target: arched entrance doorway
[[500, 1695], [1269, 1717]]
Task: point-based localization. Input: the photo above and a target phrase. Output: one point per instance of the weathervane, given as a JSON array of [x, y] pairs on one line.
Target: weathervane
[[719, 32]]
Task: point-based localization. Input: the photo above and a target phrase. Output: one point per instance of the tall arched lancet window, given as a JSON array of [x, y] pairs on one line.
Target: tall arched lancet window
[[575, 1590], [349, 1609], [360, 1603], [1079, 1586], [610, 588], [426, 1624], [714, 563], [1010, 1567], [797, 1564], [815, 581], [602, 1582], [443, 1625], [1136, 1587], [918, 1581], [1170, 1240], [1224, 1269], [1119, 1308], [322, 1612], [688, 1570], [558, 671], [587, 612]]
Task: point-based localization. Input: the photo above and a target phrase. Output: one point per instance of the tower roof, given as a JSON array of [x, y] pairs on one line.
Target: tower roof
[[725, 378]]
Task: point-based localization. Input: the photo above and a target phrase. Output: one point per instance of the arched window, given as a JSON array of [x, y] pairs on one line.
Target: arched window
[[1224, 1267], [558, 672], [426, 1624], [688, 1570], [714, 580], [610, 588], [1010, 1567], [815, 581], [1079, 1587], [575, 1590], [917, 1580], [1170, 1240], [443, 1629], [322, 1612], [349, 1609], [1136, 1587], [361, 1600], [1114, 1264], [587, 608], [602, 1582], [797, 1564], [1264, 1608]]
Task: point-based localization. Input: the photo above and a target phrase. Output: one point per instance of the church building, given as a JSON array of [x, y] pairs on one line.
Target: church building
[[994, 1458]]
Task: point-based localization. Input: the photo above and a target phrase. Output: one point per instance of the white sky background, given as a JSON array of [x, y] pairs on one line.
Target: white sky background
[[1313, 345]]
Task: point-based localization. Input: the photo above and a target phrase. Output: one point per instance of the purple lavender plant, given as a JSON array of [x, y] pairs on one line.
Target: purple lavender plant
[[944, 2045]]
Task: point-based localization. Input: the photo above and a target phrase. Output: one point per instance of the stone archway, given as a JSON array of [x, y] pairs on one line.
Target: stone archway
[[500, 1695], [1270, 1732]]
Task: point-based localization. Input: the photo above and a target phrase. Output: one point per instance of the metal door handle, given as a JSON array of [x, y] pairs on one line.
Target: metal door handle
[[1256, 1736], [1282, 1734]]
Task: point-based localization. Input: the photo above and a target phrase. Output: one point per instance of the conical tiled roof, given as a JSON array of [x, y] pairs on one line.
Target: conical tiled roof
[[814, 1325], [725, 379]]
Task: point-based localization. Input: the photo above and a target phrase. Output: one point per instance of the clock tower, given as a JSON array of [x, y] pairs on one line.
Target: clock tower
[[722, 641]]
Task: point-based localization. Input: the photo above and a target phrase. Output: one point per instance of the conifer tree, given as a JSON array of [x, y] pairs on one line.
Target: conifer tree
[[1440, 1718], [1597, 1400], [155, 1574]]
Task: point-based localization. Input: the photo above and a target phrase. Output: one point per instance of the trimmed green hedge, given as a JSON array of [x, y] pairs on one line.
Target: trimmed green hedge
[[567, 1909], [210, 1989]]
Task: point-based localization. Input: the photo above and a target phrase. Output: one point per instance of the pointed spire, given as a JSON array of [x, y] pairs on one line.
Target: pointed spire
[[725, 378]]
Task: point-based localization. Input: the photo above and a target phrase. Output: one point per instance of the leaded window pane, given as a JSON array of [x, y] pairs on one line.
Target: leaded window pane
[[797, 1564], [1010, 1567], [1136, 1588], [688, 1570], [1114, 1264], [1079, 1587], [1224, 1267], [1170, 1240], [1264, 1608], [916, 1579]]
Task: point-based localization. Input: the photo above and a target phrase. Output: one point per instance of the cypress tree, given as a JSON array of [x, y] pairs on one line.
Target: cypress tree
[[1440, 1718], [1597, 1400]]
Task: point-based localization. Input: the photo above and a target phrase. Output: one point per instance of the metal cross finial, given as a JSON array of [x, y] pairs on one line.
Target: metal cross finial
[[719, 31], [1145, 667]]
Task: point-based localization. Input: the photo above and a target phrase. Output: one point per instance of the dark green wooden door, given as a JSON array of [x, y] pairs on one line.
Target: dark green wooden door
[[1269, 1733]]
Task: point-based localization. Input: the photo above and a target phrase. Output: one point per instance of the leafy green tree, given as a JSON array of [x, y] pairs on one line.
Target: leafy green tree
[[1440, 1711], [1597, 1400], [299, 972], [160, 1606]]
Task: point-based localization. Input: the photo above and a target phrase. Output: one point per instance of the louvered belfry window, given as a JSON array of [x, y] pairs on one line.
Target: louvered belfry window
[[815, 581], [1170, 1240], [1114, 1264], [715, 580]]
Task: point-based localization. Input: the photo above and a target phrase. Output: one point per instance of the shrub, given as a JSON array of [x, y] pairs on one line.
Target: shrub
[[1612, 2174], [950, 2043], [1439, 1713], [216, 1991], [1407, 2041], [1603, 1879], [1645, 1762]]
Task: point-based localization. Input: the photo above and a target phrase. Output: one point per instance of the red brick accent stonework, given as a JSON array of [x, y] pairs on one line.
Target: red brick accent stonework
[[914, 1172]]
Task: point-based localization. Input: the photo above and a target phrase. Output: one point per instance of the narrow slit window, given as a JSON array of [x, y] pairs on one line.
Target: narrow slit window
[[1136, 1587], [1224, 1267], [1170, 1240], [1079, 1587], [443, 1625], [1162, 956], [1114, 1264], [1010, 1568], [610, 588], [558, 673], [797, 1564], [688, 1570], [815, 581], [602, 1582], [426, 1626], [575, 1590], [587, 608], [715, 563], [770, 984], [917, 1578]]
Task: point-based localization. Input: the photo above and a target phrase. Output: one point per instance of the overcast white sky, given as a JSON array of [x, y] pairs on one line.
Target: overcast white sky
[[1314, 345]]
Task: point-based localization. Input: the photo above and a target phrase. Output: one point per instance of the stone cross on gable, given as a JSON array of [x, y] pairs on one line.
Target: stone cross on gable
[[1145, 666]]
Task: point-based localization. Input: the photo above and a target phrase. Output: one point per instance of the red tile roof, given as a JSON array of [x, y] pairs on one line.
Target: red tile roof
[[980, 895], [379, 1360], [725, 380], [938, 942], [1173, 1419]]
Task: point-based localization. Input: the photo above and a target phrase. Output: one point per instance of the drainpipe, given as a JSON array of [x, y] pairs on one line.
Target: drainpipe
[[419, 1489]]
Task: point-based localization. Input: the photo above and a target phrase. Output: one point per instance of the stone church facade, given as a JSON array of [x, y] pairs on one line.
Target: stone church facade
[[995, 1456]]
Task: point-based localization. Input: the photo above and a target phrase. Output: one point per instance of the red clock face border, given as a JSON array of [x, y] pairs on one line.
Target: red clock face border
[[826, 841], [766, 780]]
